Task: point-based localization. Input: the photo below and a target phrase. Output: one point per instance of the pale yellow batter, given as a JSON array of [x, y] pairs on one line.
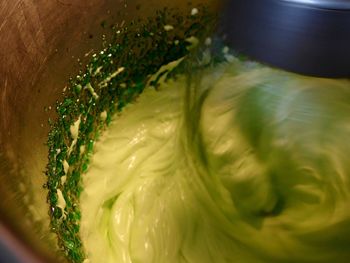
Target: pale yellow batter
[[246, 165]]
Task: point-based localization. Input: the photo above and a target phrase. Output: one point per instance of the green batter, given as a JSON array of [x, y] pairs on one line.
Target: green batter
[[241, 164]]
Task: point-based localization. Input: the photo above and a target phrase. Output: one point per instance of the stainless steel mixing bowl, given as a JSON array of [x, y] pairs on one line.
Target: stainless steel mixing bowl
[[40, 42]]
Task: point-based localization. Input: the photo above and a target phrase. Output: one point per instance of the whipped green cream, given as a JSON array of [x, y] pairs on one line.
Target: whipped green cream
[[241, 164]]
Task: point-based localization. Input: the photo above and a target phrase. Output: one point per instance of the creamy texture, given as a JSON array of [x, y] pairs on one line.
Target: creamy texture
[[248, 164]]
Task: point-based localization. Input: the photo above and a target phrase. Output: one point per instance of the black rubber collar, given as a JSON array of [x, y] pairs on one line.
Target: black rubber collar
[[304, 36]]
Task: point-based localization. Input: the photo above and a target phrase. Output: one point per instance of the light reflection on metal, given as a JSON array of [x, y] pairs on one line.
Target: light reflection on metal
[[326, 4]]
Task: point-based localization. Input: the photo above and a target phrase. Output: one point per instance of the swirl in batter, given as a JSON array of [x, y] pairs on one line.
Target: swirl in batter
[[242, 164]]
